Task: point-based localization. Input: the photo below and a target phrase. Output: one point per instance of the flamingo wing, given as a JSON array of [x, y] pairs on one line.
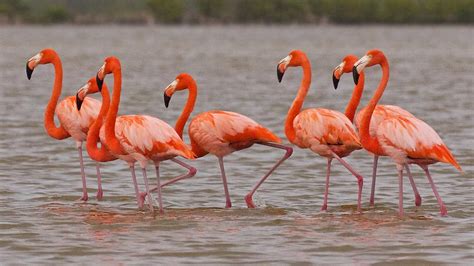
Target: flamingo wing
[[150, 137], [411, 138], [318, 127], [221, 132], [381, 113], [76, 122]]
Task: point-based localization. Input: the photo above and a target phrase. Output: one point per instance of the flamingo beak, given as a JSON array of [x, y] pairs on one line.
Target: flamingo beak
[[78, 102], [281, 67], [31, 64], [166, 99], [335, 81], [100, 77], [99, 81], [359, 67], [355, 75], [169, 92], [29, 71], [336, 74], [81, 95]]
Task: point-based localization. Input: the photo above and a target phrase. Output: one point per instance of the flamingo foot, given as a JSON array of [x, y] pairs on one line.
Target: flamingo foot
[[141, 200], [249, 201], [228, 204], [324, 207], [443, 211], [100, 194], [418, 201], [84, 197]]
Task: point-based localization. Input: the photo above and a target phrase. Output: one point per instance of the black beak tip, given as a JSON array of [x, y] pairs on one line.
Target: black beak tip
[[99, 82], [335, 81], [78, 102], [29, 71], [280, 74], [167, 99], [355, 75]]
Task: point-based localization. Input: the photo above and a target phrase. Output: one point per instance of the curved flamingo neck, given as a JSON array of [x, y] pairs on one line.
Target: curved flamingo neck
[[111, 141], [187, 110], [368, 142], [355, 98], [49, 125], [298, 102], [99, 154]]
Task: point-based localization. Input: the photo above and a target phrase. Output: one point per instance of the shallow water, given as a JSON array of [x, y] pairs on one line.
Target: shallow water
[[43, 222]]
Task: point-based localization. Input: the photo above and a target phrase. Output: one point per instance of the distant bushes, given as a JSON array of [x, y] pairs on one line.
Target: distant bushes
[[238, 11]]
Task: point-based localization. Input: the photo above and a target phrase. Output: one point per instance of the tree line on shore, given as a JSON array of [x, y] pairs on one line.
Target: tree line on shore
[[237, 11]]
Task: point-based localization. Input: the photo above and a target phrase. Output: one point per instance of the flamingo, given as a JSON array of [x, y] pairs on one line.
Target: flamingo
[[325, 132], [102, 154], [73, 123], [381, 113], [221, 133], [406, 139], [139, 137]]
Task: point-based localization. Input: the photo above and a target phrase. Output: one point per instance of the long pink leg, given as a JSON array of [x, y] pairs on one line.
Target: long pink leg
[[228, 203], [85, 196], [413, 186], [100, 192], [158, 186], [191, 172], [400, 189], [147, 189], [360, 179], [374, 175], [326, 191], [442, 207], [140, 199], [289, 151]]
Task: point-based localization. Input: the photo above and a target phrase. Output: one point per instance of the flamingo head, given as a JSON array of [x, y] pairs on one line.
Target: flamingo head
[[111, 64], [181, 82], [371, 58], [89, 88], [294, 58], [46, 56], [344, 67]]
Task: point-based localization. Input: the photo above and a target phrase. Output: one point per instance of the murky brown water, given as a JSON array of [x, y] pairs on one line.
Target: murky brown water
[[41, 220]]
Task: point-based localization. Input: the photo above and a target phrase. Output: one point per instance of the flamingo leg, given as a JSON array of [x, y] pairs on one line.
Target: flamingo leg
[[326, 191], [400, 189], [374, 175], [360, 179], [158, 186], [442, 207], [140, 198], [100, 192], [289, 151], [191, 172], [228, 203], [147, 188], [413, 186], [85, 196]]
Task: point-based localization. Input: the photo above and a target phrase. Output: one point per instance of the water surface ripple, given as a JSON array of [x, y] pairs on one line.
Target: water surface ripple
[[43, 223]]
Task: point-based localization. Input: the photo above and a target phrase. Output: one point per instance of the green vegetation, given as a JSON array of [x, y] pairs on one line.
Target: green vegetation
[[237, 11]]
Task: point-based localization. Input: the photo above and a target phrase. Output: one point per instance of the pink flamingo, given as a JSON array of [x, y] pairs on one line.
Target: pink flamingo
[[221, 133], [381, 113], [326, 132], [406, 139], [96, 133], [139, 137], [73, 123]]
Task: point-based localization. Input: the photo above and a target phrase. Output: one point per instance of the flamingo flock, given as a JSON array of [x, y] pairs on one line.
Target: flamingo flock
[[382, 130]]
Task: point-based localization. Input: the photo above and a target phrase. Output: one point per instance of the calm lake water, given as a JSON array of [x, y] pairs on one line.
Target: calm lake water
[[42, 221]]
